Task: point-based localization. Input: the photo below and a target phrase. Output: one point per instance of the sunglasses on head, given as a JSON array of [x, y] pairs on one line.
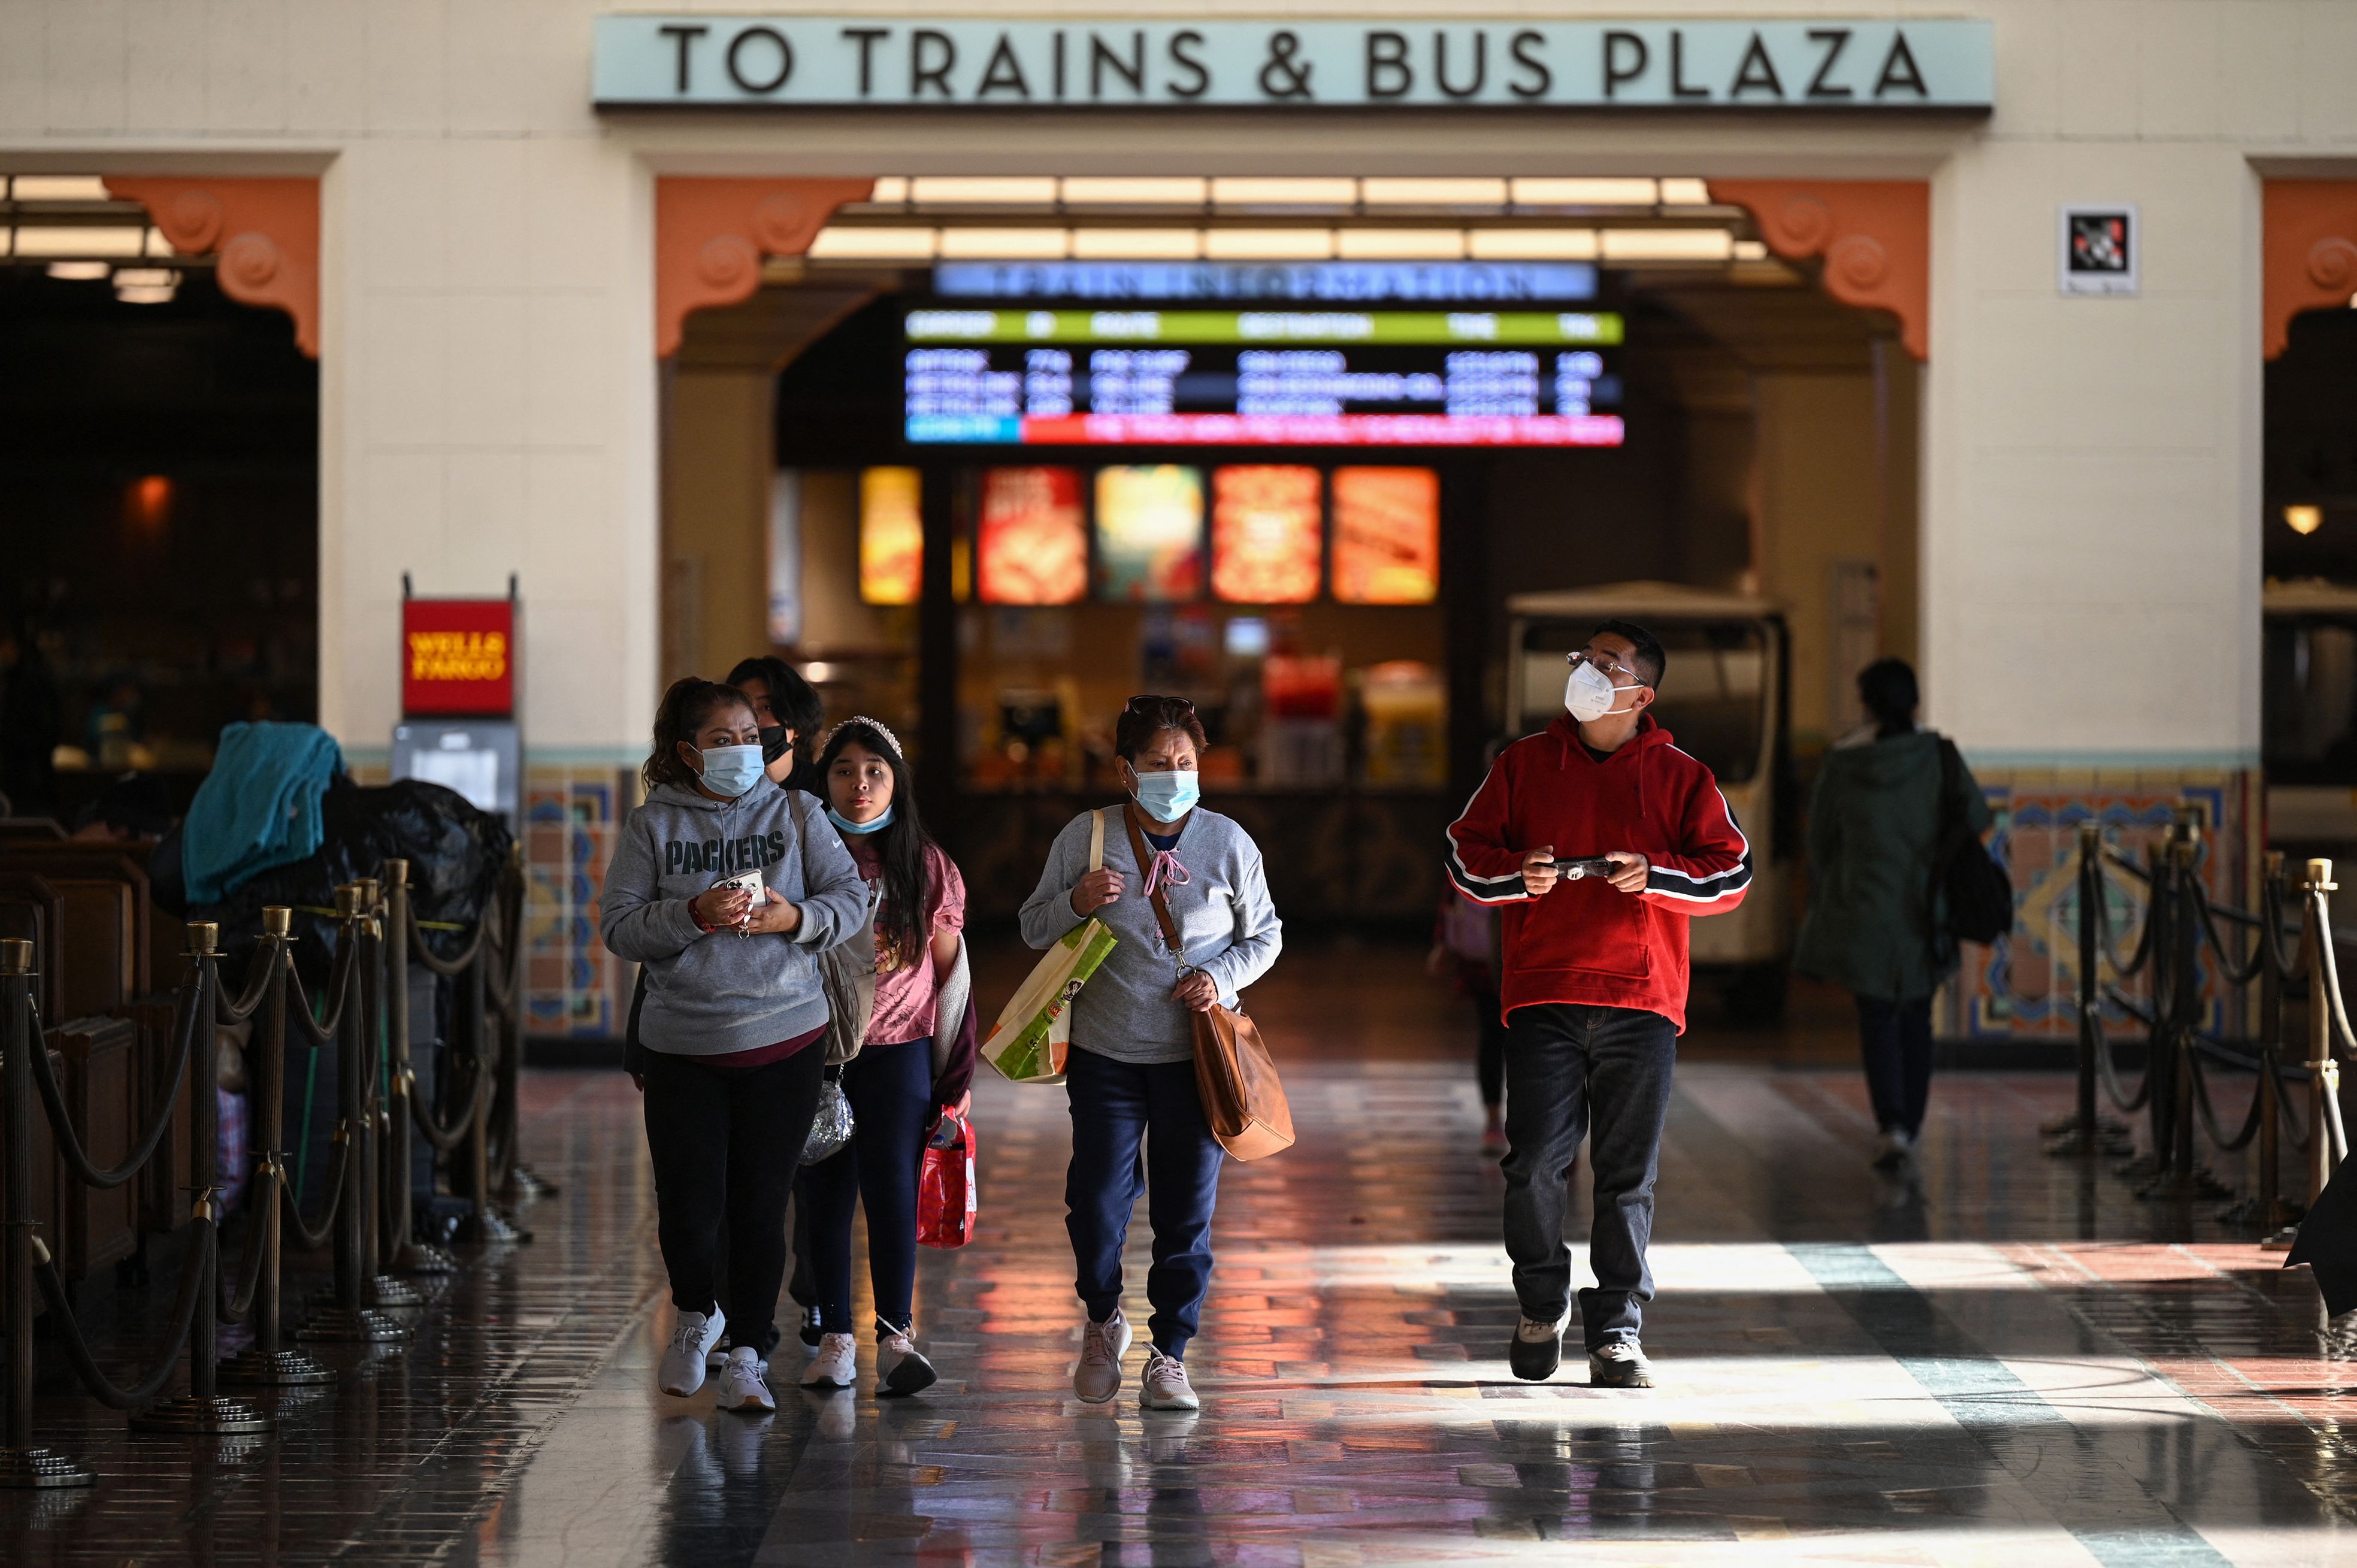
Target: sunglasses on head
[[1147, 702]]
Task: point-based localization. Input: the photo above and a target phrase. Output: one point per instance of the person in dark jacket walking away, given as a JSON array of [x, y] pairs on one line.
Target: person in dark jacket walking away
[[735, 1005], [1876, 926], [1594, 980]]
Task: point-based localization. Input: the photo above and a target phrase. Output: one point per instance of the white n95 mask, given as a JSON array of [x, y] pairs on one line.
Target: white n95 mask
[[1589, 693]]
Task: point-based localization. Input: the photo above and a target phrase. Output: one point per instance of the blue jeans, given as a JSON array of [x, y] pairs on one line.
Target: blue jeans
[[1569, 1070], [891, 1092], [1896, 1038], [1141, 1128]]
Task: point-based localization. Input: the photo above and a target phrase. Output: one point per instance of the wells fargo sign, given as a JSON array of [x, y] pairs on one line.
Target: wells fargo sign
[[457, 657]]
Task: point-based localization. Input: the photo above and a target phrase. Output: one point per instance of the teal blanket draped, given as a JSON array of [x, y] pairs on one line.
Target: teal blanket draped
[[259, 807]]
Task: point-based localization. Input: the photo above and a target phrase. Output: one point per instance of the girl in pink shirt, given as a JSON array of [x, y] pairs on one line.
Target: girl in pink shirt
[[915, 1066]]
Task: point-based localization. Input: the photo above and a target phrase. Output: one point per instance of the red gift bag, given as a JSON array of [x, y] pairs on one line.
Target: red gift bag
[[945, 1187]]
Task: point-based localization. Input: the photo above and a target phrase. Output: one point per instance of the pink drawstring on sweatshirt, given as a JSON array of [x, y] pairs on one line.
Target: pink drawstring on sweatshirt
[[1163, 871]]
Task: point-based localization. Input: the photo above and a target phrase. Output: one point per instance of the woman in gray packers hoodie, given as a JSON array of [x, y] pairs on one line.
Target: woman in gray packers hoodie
[[1131, 1072], [735, 1019]]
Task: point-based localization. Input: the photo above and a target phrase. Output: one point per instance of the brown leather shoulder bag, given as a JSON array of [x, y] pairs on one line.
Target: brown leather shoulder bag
[[1243, 1098]]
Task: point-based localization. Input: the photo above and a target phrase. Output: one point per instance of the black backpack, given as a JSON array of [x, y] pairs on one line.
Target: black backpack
[[1978, 891]]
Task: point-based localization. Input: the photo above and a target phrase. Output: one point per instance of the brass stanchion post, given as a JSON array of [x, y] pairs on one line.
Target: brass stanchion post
[[380, 1288], [204, 1410], [22, 1466], [347, 1316], [2087, 1130], [2323, 1071], [269, 1361], [483, 1222], [406, 1254]]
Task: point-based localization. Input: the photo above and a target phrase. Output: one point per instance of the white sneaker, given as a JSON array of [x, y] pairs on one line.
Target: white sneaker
[[1102, 1345], [899, 1367], [745, 1384], [836, 1364], [1165, 1384], [718, 1357], [1892, 1150], [682, 1371]]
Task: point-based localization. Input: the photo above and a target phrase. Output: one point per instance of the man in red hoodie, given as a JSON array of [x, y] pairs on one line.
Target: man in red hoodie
[[1594, 983]]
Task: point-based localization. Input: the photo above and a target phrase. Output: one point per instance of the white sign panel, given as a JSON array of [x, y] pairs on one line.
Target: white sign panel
[[719, 60]]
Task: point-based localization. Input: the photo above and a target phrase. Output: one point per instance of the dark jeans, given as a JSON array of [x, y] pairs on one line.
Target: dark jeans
[[1141, 1127], [1896, 1037], [891, 1092], [1489, 1060], [725, 1141], [1571, 1070]]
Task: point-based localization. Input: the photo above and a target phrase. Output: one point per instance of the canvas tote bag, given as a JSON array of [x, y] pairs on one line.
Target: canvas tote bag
[[1034, 1031], [1243, 1098]]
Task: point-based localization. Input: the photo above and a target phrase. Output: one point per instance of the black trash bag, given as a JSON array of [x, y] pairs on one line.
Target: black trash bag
[[2328, 1241], [456, 852]]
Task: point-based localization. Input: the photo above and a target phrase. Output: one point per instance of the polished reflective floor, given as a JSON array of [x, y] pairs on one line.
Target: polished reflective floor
[[2002, 1359]]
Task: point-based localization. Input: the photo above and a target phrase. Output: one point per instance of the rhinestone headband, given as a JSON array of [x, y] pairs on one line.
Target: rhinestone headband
[[876, 724]]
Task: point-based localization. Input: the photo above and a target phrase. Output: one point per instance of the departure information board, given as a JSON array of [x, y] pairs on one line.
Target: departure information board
[[1269, 378]]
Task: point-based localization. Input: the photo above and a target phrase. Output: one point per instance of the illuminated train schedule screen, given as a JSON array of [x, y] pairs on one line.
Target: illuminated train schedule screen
[[1093, 378]]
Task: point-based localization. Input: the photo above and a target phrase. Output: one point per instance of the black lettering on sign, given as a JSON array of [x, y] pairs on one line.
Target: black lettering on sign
[[783, 50], [1899, 69], [674, 853], [866, 38], [1756, 71], [1624, 60], [1389, 75], [1836, 40], [1004, 73], [1480, 64], [1280, 75], [1131, 70], [1678, 88], [777, 846], [1189, 38], [1519, 47], [924, 41], [682, 35], [1058, 56]]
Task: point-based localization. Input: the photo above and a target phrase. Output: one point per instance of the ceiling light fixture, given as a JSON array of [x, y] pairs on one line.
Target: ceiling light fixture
[[2304, 519]]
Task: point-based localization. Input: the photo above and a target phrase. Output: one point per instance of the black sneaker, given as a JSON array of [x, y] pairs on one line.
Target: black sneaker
[[1536, 1349], [1620, 1364], [812, 1333]]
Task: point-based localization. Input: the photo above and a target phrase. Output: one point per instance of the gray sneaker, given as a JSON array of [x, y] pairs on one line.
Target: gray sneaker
[[1620, 1364], [682, 1372], [745, 1384], [1097, 1378], [1164, 1384], [1536, 1349]]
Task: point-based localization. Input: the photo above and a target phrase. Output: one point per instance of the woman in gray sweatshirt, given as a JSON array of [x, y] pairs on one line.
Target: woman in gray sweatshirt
[[735, 1018], [1131, 1074]]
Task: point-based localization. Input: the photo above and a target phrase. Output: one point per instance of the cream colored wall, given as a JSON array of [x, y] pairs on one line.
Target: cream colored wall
[[1819, 502], [2092, 467], [715, 481]]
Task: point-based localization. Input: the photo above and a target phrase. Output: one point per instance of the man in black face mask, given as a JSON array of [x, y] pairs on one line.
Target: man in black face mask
[[787, 709]]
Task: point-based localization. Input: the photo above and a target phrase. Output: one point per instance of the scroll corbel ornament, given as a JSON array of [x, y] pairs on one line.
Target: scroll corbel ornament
[[264, 230], [2309, 230], [1874, 234], [711, 236]]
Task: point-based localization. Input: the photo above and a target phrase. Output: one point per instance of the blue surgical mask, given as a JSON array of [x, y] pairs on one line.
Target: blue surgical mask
[[1166, 796], [883, 819], [730, 771]]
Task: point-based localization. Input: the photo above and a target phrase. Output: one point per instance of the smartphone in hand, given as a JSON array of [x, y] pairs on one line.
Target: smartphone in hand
[[750, 881]]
